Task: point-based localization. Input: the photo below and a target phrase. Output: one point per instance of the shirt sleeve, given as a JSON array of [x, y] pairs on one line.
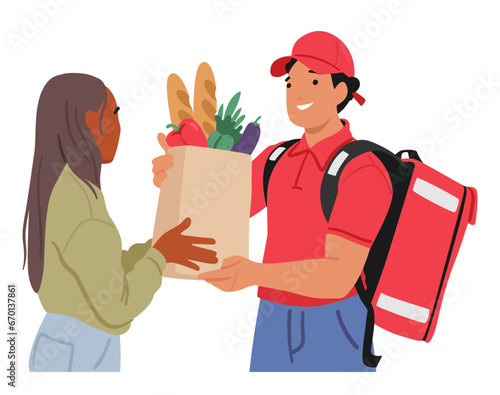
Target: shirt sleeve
[[258, 165], [118, 285], [363, 199]]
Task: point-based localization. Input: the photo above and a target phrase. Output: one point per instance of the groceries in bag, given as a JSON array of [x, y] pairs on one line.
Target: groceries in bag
[[210, 181]]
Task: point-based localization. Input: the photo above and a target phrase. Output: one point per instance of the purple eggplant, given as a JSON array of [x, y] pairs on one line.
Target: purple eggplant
[[249, 139]]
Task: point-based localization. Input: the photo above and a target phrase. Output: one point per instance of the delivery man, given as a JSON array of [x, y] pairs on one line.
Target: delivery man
[[310, 316]]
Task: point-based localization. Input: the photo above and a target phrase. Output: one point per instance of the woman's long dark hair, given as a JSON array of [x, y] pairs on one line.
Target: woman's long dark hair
[[62, 137]]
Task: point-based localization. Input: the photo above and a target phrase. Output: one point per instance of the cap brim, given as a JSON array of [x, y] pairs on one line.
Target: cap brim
[[278, 66], [317, 65]]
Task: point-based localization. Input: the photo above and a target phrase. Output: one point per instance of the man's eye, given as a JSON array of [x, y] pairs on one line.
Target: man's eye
[[288, 85], [315, 82]]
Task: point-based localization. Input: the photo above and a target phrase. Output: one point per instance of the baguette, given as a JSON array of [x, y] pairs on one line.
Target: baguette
[[178, 100], [205, 102]]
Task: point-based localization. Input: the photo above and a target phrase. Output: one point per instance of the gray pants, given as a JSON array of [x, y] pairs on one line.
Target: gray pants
[[65, 344]]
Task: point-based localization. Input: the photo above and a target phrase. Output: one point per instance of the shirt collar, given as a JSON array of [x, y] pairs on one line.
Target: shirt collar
[[323, 150]]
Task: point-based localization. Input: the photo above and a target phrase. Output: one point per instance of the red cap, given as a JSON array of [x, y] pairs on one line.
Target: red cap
[[321, 52]]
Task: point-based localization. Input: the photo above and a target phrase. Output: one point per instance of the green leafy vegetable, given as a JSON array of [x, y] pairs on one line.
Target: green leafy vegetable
[[231, 106], [229, 122]]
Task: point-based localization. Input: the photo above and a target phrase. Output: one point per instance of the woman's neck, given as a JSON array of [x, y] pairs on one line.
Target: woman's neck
[[316, 134]]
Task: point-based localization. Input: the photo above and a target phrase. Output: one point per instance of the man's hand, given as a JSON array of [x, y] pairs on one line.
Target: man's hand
[[162, 163], [236, 273], [178, 248]]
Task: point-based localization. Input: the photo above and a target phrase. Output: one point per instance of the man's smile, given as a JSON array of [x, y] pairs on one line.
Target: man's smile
[[304, 106]]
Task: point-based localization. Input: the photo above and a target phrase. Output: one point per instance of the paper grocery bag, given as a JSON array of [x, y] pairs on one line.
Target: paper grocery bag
[[212, 187]]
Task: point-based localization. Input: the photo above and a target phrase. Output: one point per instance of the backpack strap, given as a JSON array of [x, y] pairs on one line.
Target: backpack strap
[[412, 154], [272, 160], [330, 183], [400, 174]]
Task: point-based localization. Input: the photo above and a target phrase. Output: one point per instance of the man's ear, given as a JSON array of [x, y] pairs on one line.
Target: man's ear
[[340, 92], [92, 121]]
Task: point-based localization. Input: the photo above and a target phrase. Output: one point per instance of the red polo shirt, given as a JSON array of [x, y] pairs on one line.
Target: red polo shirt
[[297, 227]]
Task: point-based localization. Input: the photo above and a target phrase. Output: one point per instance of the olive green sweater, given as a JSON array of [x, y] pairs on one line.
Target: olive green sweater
[[86, 274]]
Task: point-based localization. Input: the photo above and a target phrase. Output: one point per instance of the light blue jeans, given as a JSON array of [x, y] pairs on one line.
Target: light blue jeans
[[327, 338], [65, 344]]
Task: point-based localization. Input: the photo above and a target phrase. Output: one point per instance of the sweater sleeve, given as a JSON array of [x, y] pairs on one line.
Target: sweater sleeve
[[131, 256], [117, 285]]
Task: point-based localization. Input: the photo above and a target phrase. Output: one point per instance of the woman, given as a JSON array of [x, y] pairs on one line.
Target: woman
[[90, 288]]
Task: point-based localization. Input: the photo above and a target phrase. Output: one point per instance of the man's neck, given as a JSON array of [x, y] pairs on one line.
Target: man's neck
[[316, 134]]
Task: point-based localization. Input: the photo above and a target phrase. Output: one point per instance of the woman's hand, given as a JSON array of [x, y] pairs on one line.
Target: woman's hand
[[236, 273], [162, 163], [179, 248]]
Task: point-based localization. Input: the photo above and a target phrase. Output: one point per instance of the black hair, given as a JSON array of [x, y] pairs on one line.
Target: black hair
[[352, 84]]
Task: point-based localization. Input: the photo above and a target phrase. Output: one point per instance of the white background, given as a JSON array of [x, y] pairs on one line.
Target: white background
[[420, 63]]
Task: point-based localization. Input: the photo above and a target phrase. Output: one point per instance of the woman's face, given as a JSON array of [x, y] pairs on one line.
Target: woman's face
[[108, 140]]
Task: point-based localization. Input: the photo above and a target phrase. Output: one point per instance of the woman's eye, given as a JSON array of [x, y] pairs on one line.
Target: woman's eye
[[288, 85], [315, 82]]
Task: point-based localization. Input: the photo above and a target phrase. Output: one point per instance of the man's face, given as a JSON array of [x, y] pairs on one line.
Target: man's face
[[311, 99]]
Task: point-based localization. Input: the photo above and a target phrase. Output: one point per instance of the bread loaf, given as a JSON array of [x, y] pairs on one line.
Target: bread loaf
[[205, 103], [178, 100]]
